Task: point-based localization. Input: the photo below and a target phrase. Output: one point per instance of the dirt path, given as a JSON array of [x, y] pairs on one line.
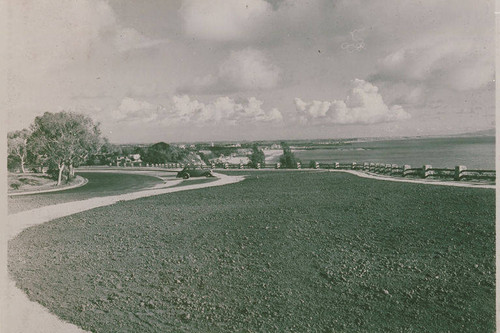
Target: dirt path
[[19, 314]]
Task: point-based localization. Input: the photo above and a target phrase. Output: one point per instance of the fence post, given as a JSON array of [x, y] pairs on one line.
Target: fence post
[[458, 171], [316, 165], [278, 165], [226, 165], [298, 165], [426, 170], [406, 169], [394, 167], [241, 165], [336, 165], [353, 165]]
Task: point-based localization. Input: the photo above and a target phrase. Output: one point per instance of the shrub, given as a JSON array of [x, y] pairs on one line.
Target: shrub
[[288, 159]]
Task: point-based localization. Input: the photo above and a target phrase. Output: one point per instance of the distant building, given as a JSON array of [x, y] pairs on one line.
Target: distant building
[[135, 157]]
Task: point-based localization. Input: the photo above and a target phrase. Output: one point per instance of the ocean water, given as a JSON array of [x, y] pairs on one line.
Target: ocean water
[[473, 152]]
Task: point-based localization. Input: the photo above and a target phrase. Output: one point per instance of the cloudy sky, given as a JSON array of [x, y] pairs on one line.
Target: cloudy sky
[[195, 70]]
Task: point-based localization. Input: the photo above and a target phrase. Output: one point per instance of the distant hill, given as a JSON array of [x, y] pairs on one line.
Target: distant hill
[[488, 132]]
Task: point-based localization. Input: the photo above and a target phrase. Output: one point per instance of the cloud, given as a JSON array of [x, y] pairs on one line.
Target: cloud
[[254, 20], [355, 44], [127, 39], [183, 109], [222, 20], [46, 35], [243, 70], [135, 110], [49, 33], [459, 63], [363, 105]]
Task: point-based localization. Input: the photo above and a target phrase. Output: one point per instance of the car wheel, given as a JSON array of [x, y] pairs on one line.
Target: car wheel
[[186, 176]]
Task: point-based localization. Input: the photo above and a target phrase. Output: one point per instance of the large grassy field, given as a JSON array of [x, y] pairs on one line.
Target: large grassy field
[[278, 252]]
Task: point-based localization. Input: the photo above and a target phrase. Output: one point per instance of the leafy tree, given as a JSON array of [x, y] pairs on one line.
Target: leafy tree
[[205, 157], [288, 159], [66, 138], [257, 156], [162, 152], [17, 146], [157, 153]]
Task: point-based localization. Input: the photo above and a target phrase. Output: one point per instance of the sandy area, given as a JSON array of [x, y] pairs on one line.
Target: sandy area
[[19, 314], [272, 155]]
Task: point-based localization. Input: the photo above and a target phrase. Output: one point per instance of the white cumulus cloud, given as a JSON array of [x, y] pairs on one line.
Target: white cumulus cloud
[[132, 109], [243, 70], [363, 105], [183, 109], [459, 63]]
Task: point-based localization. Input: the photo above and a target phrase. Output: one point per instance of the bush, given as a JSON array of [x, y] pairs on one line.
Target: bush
[[257, 157], [288, 159]]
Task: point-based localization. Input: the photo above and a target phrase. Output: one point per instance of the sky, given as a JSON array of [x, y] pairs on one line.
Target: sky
[[198, 70]]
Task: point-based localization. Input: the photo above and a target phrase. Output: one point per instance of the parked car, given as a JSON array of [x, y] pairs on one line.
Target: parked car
[[194, 171]]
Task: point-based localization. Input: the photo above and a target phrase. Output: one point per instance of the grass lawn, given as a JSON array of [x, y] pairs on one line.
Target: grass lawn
[[278, 252], [99, 185]]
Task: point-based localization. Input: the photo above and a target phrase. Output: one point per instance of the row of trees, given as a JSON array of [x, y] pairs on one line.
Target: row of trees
[[287, 160], [61, 141]]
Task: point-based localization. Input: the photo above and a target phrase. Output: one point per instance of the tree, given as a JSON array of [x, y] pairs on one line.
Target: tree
[[157, 153], [288, 159], [17, 145], [162, 152], [66, 138], [257, 156]]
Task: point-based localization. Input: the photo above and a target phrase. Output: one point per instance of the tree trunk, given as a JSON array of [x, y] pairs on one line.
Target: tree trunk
[[59, 178], [22, 165], [71, 170]]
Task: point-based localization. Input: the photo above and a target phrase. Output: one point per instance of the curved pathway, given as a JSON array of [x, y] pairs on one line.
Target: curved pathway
[[22, 315]]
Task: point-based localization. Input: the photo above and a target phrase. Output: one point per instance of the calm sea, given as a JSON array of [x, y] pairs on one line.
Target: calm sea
[[473, 152]]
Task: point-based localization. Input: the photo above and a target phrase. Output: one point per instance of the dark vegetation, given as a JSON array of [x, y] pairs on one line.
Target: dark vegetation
[[257, 157], [60, 141], [279, 252], [288, 159]]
